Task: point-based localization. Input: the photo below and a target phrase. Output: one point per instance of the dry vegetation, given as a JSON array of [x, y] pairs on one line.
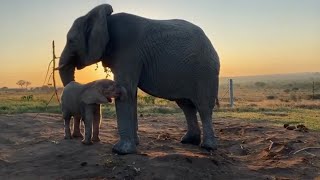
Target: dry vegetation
[[278, 101]]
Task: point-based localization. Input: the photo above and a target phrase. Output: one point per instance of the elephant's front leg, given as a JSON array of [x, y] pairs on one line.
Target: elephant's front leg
[[88, 116], [96, 123], [126, 120]]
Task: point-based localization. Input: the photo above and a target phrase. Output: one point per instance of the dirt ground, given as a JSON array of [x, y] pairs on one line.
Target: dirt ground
[[35, 149]]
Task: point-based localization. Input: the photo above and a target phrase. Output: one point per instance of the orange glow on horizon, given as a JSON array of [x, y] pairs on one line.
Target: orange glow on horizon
[[91, 73]]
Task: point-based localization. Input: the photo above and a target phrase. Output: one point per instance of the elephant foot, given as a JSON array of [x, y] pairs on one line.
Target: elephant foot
[[95, 139], [209, 144], [86, 142], [194, 139], [123, 147], [67, 137], [77, 135]]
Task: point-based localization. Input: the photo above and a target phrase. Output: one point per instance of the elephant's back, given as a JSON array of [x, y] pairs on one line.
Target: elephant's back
[[70, 96], [174, 29], [71, 87], [179, 46], [180, 36]]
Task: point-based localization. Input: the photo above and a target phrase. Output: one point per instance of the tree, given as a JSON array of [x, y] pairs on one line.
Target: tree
[[21, 83], [107, 71], [260, 84], [27, 83]]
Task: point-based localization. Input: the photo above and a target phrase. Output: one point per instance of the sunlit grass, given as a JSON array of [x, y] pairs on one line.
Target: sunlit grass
[[294, 116], [277, 105]]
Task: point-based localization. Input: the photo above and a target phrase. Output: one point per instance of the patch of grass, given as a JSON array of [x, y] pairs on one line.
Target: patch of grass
[[308, 117], [108, 110], [277, 103], [158, 110]]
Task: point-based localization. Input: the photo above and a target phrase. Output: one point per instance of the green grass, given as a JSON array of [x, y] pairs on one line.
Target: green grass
[[11, 103], [294, 116], [252, 104]]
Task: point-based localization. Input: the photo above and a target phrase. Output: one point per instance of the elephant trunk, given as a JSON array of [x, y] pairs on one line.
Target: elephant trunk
[[124, 94], [66, 68]]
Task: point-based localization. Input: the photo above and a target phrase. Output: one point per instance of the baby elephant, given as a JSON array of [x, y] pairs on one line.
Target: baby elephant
[[82, 101]]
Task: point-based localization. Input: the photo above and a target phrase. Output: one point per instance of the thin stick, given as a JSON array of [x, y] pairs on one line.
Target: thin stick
[[45, 79], [271, 145], [241, 146], [45, 106], [54, 57], [303, 149], [50, 77], [310, 153], [53, 61]]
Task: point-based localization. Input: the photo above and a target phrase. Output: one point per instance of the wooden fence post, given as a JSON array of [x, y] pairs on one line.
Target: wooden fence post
[[313, 90], [231, 93]]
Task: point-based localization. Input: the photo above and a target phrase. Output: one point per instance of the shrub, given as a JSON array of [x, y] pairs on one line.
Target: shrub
[[260, 84], [295, 89], [270, 97], [286, 90], [28, 98], [316, 96], [293, 97], [149, 99]]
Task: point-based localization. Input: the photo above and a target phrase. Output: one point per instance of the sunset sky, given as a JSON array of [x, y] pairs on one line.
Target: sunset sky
[[251, 37]]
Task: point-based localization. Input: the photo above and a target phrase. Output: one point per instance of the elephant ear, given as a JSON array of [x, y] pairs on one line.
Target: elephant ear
[[92, 94], [97, 35]]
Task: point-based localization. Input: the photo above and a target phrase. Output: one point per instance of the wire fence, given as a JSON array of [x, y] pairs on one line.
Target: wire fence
[[261, 91]]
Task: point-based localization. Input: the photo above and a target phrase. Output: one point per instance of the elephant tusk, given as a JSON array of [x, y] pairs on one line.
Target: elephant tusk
[[58, 68]]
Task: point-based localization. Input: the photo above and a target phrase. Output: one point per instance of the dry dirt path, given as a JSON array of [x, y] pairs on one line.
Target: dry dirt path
[[35, 149]]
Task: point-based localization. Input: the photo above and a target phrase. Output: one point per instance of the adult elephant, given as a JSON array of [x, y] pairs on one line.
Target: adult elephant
[[171, 59]]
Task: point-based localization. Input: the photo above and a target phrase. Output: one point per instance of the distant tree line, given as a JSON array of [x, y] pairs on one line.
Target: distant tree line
[[23, 83]]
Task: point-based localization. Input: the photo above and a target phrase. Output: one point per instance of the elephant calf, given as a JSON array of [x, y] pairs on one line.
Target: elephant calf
[[82, 101]]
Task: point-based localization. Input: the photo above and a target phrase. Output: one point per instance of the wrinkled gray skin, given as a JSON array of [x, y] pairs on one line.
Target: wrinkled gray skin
[[82, 101], [170, 59]]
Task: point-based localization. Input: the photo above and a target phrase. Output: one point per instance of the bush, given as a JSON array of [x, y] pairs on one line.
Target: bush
[[295, 89], [316, 96], [271, 97], [28, 98], [260, 84], [148, 99], [286, 90], [293, 97]]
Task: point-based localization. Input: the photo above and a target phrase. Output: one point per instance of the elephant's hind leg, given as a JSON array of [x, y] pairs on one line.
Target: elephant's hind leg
[[67, 132], [76, 127], [193, 135], [135, 118], [209, 142]]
